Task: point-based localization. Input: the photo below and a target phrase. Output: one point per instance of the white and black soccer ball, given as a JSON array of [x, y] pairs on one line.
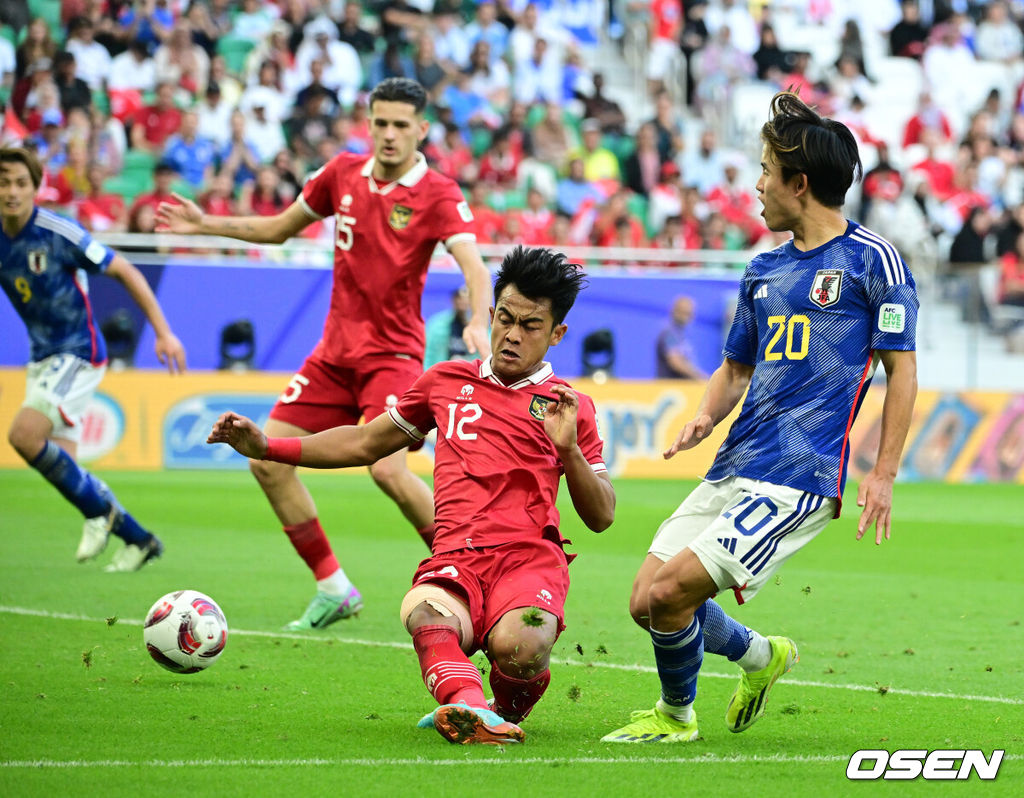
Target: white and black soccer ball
[[185, 631]]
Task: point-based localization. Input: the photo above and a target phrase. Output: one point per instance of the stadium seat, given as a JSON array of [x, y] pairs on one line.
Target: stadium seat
[[7, 32], [49, 10], [138, 162], [235, 50], [127, 186], [479, 141]]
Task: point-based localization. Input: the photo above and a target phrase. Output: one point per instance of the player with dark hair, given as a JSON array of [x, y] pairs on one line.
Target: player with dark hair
[[390, 211], [814, 318], [507, 428], [45, 263]]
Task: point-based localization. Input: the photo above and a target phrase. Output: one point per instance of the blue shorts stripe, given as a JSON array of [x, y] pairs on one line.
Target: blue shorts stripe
[[766, 555], [781, 526]]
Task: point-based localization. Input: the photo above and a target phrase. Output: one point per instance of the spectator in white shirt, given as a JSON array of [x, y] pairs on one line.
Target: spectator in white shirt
[[214, 115], [343, 71], [133, 69], [737, 18], [998, 37], [92, 58]]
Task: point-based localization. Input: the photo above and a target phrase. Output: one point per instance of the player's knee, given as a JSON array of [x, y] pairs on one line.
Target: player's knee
[[428, 605], [640, 609], [24, 441], [525, 655], [268, 472], [664, 595], [425, 615], [387, 474]]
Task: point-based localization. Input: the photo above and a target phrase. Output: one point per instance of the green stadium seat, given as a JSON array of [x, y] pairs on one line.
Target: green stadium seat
[[101, 100], [138, 162], [7, 32], [128, 186], [184, 188], [479, 141], [235, 50], [49, 10]]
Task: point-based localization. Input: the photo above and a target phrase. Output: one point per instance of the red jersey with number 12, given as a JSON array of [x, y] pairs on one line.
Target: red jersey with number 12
[[496, 471], [384, 237]]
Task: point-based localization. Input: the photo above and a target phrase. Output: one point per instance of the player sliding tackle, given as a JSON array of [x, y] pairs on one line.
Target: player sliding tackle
[[507, 428], [813, 319]]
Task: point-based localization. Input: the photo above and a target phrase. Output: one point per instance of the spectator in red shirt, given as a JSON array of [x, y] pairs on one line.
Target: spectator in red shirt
[[153, 125], [262, 198], [487, 224], [927, 117], [101, 211], [451, 156], [499, 165], [535, 220], [163, 177]]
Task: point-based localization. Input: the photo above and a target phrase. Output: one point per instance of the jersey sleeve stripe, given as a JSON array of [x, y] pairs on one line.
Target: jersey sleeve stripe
[[599, 468], [405, 426], [459, 238], [309, 211], [62, 227], [891, 260], [896, 259]]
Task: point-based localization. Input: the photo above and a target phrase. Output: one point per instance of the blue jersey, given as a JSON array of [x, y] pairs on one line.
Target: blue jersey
[[44, 270], [811, 324]]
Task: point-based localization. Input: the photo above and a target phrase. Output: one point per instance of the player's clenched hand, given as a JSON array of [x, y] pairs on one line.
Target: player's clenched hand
[[241, 434], [560, 418], [170, 352], [477, 340], [875, 495], [693, 433], [183, 216]]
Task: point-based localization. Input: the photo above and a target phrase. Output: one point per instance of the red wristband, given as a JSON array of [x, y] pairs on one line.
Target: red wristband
[[284, 450]]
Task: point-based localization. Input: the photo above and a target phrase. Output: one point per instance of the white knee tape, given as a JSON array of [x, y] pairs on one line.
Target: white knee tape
[[445, 603]]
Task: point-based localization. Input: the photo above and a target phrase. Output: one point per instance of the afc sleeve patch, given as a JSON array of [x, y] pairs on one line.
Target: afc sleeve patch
[[892, 318], [464, 212], [96, 252]]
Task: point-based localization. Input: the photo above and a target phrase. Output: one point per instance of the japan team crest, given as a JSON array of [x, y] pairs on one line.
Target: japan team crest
[[400, 216], [826, 287], [36, 260], [538, 404]]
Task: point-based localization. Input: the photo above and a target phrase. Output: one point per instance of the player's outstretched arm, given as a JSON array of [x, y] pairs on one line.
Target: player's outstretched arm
[[185, 217], [338, 447], [478, 281], [241, 434], [725, 389], [874, 493], [592, 494], [169, 349]]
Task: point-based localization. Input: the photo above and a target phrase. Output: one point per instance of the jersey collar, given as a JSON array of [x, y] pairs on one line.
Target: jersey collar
[[540, 375], [413, 176]]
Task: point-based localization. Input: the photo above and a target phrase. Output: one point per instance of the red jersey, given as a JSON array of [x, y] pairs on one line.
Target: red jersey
[[384, 237], [158, 124], [496, 472]]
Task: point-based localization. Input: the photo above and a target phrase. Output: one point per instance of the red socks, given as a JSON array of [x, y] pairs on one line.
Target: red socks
[[447, 672], [514, 698], [310, 542]]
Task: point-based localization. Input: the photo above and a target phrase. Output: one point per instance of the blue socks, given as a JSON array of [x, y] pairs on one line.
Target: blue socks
[[90, 495], [722, 634], [79, 487], [679, 656]]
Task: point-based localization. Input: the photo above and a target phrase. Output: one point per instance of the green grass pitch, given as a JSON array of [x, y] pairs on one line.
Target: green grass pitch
[[914, 644]]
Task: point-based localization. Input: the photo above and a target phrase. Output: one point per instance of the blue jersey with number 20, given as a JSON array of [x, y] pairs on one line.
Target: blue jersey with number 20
[[811, 324], [44, 271]]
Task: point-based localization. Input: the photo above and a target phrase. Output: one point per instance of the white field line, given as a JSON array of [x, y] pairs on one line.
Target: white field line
[[500, 758], [353, 641]]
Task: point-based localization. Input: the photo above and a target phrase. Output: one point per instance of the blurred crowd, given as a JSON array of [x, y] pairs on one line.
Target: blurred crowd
[[233, 102]]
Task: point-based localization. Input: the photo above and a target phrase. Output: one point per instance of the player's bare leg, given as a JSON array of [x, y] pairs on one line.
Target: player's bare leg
[[519, 648], [412, 495], [291, 501]]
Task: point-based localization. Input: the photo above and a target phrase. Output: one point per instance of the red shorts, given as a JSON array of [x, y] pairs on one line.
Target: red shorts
[[321, 395], [495, 580]]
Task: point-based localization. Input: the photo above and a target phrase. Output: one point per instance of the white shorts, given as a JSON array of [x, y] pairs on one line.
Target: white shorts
[[742, 530], [60, 387]]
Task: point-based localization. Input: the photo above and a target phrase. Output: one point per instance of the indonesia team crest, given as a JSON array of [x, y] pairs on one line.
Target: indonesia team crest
[[826, 287], [538, 404], [400, 216], [36, 261]]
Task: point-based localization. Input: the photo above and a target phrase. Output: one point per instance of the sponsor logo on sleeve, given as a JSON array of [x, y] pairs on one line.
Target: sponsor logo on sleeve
[[892, 318], [95, 252]]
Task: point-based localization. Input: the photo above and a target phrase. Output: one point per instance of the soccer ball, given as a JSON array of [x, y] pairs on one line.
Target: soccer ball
[[185, 631]]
